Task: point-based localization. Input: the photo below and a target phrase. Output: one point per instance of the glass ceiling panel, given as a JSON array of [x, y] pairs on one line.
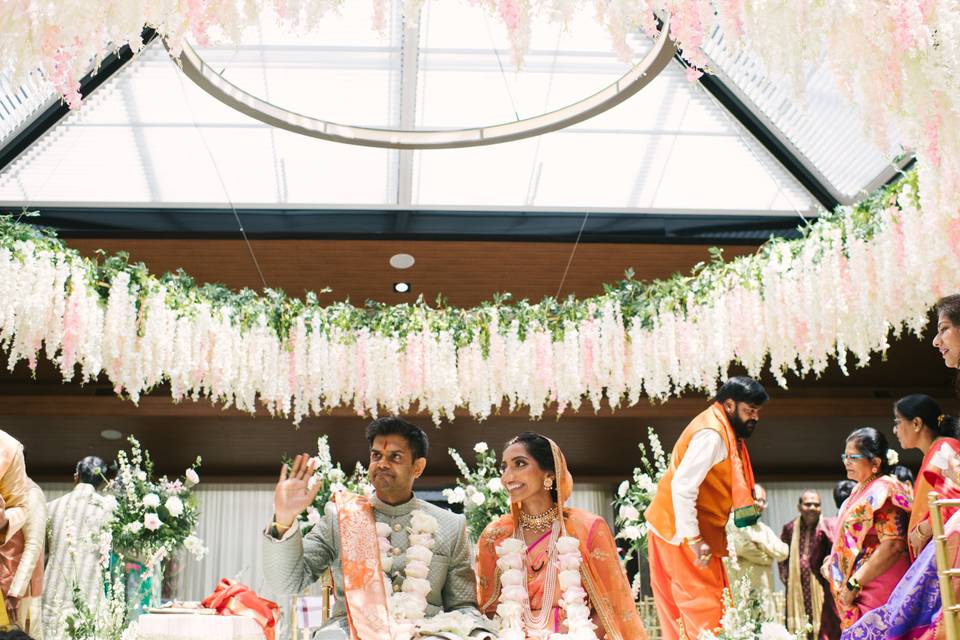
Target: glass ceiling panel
[[825, 130], [150, 137]]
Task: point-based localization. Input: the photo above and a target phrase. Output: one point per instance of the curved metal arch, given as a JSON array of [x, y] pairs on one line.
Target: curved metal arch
[[205, 77]]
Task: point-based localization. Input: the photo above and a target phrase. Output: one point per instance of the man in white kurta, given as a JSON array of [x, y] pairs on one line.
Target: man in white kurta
[[757, 548], [74, 525]]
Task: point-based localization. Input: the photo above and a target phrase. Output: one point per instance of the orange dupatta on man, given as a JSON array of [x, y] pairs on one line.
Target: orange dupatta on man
[[363, 588], [601, 573]]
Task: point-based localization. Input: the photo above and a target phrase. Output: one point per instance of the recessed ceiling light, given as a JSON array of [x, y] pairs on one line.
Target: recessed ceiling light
[[110, 434], [402, 261], [401, 287]]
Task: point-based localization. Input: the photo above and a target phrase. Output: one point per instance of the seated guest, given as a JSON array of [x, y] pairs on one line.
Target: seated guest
[[869, 554], [919, 424], [806, 589]]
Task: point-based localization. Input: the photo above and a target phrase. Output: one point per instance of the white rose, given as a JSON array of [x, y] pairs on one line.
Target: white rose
[[512, 577], [628, 512], [573, 595], [509, 609], [569, 561], [313, 516], [511, 545], [151, 522], [423, 523], [192, 477], [418, 586], [383, 530], [419, 553], [174, 506], [422, 540], [567, 544], [455, 496], [568, 578], [630, 533], [515, 593], [774, 631], [478, 499], [892, 457], [510, 561], [577, 613], [646, 484], [495, 485], [417, 569], [109, 503], [141, 476], [151, 501], [480, 447], [336, 475], [623, 488]]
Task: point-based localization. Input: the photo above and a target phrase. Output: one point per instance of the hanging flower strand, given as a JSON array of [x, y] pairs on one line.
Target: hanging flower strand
[[856, 276]]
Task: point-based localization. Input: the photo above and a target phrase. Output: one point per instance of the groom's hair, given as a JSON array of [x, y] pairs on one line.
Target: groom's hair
[[393, 425]]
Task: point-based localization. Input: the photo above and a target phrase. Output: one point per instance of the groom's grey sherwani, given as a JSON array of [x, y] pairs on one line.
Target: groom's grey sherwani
[[294, 562]]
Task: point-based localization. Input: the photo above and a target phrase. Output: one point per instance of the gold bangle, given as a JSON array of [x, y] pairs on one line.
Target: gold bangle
[[284, 527]]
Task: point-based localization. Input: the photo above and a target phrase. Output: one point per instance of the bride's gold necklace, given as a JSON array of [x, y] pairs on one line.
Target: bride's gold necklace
[[538, 523]]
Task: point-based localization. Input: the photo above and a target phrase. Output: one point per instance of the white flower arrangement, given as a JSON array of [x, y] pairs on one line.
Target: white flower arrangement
[[152, 518], [892, 457], [745, 617], [479, 490], [634, 496]]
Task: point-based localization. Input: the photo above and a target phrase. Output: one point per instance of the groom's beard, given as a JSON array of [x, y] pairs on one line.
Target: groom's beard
[[742, 428]]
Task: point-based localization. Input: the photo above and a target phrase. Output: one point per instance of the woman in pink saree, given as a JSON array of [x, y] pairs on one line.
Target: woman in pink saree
[[870, 551]]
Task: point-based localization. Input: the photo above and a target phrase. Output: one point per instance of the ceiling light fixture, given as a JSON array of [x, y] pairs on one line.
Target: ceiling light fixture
[[209, 78], [110, 434], [401, 287], [402, 261]]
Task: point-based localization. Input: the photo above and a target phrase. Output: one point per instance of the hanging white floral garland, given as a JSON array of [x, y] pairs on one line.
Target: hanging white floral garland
[[855, 277]]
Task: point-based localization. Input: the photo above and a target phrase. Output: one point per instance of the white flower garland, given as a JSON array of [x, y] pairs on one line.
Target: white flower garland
[[514, 599], [408, 606]]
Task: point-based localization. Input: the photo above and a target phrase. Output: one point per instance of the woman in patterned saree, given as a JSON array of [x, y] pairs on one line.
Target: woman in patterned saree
[[913, 609], [542, 594], [870, 551]]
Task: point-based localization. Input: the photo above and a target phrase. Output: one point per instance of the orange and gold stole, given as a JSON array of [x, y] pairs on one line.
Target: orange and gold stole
[[363, 588]]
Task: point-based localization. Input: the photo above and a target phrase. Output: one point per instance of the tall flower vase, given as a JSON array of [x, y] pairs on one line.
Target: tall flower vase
[[144, 585]]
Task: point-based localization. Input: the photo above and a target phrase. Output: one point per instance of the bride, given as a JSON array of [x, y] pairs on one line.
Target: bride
[[546, 574]]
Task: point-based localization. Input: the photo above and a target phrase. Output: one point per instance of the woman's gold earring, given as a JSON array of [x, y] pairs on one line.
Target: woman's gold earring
[[548, 483]]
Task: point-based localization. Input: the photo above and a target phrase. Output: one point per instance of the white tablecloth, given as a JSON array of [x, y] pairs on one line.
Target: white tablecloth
[[186, 626]]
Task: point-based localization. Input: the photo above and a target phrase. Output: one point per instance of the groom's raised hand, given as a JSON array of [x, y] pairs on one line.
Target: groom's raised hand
[[293, 494]]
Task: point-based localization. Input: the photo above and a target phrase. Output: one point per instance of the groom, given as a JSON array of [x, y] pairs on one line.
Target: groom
[[398, 456]]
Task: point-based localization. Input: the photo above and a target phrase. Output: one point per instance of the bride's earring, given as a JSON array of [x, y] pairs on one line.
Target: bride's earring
[[548, 483]]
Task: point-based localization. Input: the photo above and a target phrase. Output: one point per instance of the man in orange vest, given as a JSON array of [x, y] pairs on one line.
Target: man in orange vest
[[709, 476]]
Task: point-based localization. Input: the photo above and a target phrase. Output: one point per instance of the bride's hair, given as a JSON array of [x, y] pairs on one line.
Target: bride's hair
[[540, 450]]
